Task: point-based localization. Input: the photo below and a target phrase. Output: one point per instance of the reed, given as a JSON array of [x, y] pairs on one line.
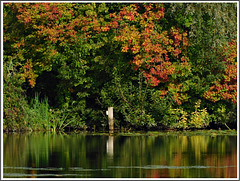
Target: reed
[[41, 117], [38, 115]]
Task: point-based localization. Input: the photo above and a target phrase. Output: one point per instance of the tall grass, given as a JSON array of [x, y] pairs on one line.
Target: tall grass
[[41, 117], [38, 115]]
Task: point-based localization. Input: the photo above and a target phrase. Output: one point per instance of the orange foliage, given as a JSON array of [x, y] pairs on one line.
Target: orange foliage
[[226, 88]]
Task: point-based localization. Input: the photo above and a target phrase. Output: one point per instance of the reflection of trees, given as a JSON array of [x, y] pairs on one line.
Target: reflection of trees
[[135, 156], [44, 150], [227, 156], [178, 151]]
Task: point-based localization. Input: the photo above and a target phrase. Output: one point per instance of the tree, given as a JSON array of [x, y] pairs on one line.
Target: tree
[[137, 57]]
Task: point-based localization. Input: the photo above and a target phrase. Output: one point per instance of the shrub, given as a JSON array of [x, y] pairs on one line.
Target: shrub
[[180, 119], [177, 118], [199, 118], [14, 102]]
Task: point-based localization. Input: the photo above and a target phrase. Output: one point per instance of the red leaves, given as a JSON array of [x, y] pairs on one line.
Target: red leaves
[[29, 73], [50, 21], [153, 50], [177, 52], [178, 96], [106, 28], [163, 93], [152, 80], [226, 88], [136, 28], [184, 59], [114, 24], [125, 49]]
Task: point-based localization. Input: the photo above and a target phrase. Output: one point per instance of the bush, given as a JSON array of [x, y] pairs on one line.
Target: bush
[[178, 118], [199, 118], [14, 105], [225, 114]]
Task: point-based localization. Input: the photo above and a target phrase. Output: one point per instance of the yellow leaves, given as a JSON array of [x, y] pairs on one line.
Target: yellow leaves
[[185, 41], [165, 41], [125, 48], [226, 87], [53, 52], [145, 38], [197, 104], [29, 73], [179, 96], [184, 59], [137, 60], [199, 118], [163, 93], [181, 118], [106, 28], [91, 13], [135, 49]]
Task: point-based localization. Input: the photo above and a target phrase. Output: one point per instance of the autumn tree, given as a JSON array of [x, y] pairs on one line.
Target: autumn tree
[[145, 59]]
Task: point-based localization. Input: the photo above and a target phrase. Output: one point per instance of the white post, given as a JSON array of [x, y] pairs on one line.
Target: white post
[[110, 119]]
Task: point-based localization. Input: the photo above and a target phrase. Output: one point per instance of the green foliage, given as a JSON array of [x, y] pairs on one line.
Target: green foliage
[[129, 99], [41, 117], [225, 114], [151, 61], [59, 120], [15, 105], [178, 118], [199, 118], [38, 114], [213, 27], [159, 105]]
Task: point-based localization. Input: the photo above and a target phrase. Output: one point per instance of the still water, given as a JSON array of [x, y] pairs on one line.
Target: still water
[[44, 155]]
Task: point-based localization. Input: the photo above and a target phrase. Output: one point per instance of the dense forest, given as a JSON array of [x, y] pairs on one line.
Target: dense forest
[[160, 65]]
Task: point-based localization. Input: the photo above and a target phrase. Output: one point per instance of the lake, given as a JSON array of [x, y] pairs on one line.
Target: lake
[[149, 155]]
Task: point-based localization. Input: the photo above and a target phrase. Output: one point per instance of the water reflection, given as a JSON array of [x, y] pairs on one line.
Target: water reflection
[[89, 156], [110, 146]]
